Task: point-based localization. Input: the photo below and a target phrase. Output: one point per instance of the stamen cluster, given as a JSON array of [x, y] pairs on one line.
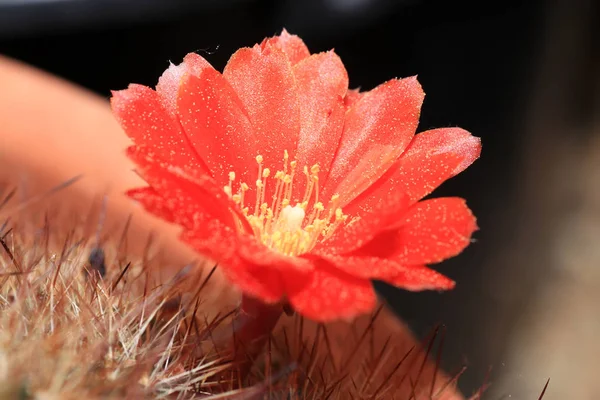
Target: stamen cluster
[[291, 230]]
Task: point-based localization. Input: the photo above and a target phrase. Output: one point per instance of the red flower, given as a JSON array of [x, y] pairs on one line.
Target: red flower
[[301, 189]]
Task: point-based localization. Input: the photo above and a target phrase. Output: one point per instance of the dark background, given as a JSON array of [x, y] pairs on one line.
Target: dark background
[[479, 63]]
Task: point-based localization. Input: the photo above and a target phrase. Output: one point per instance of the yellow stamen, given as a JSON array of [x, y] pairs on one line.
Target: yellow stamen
[[291, 230]]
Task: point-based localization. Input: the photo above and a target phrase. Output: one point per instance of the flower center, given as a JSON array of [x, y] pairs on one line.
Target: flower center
[[291, 230]]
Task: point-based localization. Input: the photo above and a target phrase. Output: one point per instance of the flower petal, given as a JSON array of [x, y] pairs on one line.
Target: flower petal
[[215, 122], [219, 242], [208, 228], [377, 130], [419, 277], [146, 121], [431, 231], [322, 82], [431, 158], [352, 97], [256, 253], [152, 202], [169, 82], [415, 176], [359, 231], [293, 47], [455, 141], [409, 277], [189, 197], [265, 84], [330, 294]]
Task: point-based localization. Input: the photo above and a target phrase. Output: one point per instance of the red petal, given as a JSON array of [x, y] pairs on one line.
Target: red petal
[[418, 277], [377, 130], [146, 121], [266, 86], [455, 141], [409, 277], [218, 242], [365, 267], [431, 231], [215, 122], [352, 97], [152, 202], [251, 250], [330, 294], [189, 197], [430, 159], [168, 84], [322, 82], [358, 232], [293, 47], [415, 176]]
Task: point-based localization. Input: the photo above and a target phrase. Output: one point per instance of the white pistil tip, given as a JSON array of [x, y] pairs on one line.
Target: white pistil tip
[[292, 217]]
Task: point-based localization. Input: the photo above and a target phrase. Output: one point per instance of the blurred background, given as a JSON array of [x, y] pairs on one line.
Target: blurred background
[[524, 76]]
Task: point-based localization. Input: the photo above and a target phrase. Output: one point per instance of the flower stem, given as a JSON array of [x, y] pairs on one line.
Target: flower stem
[[252, 326]]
